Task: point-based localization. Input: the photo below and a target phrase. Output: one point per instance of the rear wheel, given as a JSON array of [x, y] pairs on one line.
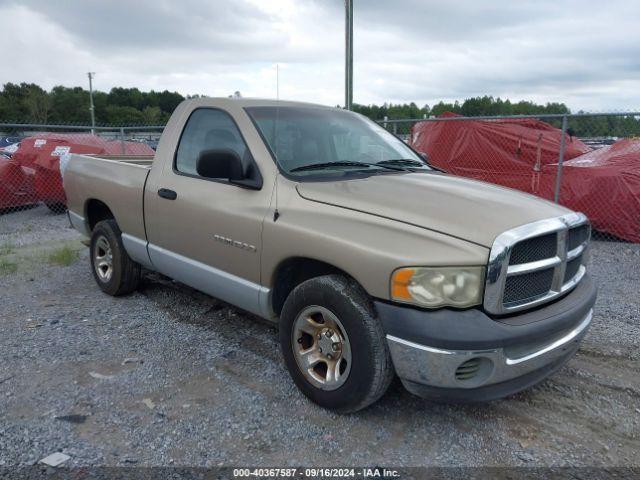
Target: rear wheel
[[114, 271], [333, 344]]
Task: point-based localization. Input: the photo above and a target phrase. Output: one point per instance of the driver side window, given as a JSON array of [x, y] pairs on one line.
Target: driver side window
[[207, 129]]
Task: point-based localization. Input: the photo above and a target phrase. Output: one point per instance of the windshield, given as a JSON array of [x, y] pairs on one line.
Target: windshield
[[312, 140]]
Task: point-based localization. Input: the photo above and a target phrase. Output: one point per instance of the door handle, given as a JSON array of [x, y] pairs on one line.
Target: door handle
[[168, 194]]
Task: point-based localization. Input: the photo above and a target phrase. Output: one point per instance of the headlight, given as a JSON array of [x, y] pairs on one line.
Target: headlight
[[438, 286]]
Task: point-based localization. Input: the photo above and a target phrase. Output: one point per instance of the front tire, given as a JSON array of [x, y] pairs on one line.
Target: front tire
[[333, 344], [114, 271]]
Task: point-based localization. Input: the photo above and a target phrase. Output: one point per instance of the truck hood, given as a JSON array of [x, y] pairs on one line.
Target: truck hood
[[467, 209]]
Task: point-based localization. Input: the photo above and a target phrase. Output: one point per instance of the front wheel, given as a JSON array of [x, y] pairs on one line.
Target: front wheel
[[114, 271], [333, 344]]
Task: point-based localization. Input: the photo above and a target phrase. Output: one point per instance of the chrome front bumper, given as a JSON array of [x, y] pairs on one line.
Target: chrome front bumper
[[452, 369]]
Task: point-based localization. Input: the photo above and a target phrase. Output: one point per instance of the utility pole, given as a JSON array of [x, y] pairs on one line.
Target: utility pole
[[91, 107], [277, 81], [348, 67]]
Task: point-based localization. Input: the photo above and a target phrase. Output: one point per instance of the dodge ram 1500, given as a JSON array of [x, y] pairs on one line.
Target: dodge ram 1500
[[371, 262]]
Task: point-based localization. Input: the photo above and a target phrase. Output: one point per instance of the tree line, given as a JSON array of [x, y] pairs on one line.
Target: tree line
[[470, 107], [588, 126], [29, 103]]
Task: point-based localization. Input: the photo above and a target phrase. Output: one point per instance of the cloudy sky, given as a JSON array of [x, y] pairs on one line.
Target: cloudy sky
[[582, 52]]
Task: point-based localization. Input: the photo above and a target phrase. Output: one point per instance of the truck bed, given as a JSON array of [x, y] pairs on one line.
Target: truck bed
[[141, 160], [117, 181]]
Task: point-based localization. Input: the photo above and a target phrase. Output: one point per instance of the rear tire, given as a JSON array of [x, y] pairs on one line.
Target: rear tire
[[114, 271], [333, 344]]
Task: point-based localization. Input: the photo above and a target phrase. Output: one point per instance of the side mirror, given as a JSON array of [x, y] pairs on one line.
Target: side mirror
[[225, 164]]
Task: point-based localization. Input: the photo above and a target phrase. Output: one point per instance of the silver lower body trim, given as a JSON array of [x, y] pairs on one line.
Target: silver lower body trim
[[217, 283], [79, 223], [437, 367], [137, 250]]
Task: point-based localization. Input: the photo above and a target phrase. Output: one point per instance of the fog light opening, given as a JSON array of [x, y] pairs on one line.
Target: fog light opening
[[474, 372], [468, 369]]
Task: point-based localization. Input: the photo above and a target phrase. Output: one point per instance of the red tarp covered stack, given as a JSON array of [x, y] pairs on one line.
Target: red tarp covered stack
[[17, 187], [605, 184], [42, 153], [523, 154], [505, 152]]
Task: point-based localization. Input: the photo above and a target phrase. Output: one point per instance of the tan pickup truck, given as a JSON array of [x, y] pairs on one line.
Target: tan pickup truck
[[371, 262]]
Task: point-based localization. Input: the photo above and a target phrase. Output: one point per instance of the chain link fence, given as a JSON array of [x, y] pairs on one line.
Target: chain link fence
[[30, 158], [586, 162], [589, 163]]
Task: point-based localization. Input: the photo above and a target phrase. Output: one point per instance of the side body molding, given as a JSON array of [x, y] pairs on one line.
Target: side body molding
[[79, 223], [137, 250], [212, 281]]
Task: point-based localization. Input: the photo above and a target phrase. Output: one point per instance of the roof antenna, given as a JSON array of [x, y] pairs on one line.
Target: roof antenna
[[276, 213]]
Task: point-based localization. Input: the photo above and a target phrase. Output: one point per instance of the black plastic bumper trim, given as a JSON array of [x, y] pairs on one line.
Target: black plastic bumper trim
[[475, 330]]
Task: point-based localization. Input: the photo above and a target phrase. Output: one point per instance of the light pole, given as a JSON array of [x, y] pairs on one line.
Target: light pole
[[91, 107], [348, 67]]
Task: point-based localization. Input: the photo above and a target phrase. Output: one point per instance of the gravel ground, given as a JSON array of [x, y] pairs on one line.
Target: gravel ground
[[168, 376]]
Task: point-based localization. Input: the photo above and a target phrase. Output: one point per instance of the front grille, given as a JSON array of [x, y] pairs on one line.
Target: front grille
[[572, 268], [534, 249], [528, 286], [577, 236], [535, 263]]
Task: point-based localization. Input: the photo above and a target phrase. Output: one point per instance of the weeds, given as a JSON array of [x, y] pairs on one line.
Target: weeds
[[7, 267], [7, 248], [64, 256]]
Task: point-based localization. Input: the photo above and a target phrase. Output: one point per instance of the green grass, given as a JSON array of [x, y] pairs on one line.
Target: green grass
[[6, 248], [64, 256], [7, 267]]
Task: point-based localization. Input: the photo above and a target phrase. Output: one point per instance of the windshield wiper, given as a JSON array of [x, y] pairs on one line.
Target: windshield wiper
[[405, 162], [323, 165]]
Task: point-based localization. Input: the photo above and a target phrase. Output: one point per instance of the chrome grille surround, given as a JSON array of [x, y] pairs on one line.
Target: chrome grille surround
[[499, 268]]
